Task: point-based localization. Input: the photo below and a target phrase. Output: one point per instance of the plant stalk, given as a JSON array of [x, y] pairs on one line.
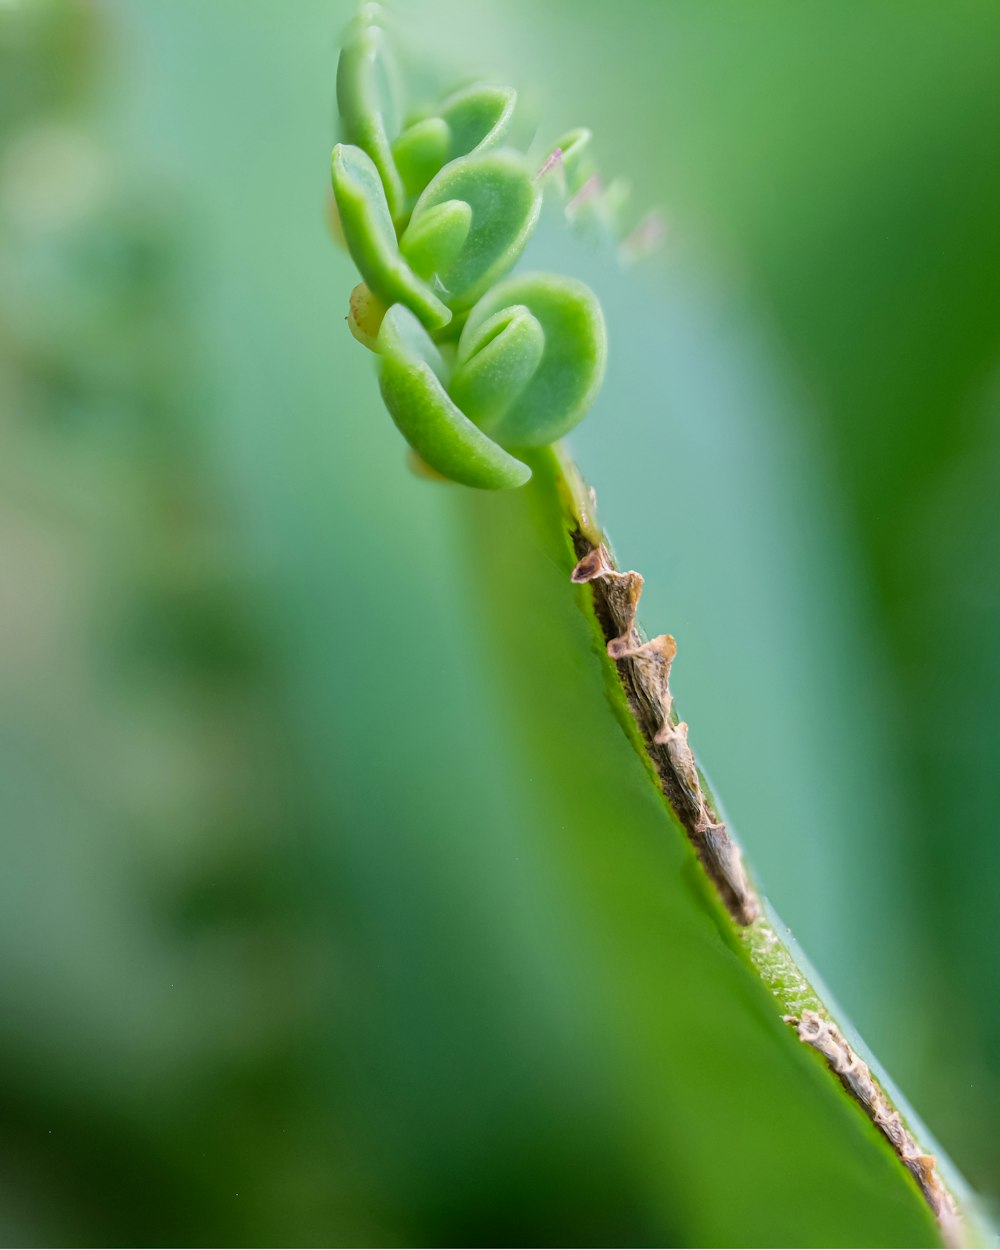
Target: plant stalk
[[639, 669]]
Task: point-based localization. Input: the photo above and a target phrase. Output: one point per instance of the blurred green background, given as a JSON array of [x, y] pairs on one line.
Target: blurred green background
[[265, 808]]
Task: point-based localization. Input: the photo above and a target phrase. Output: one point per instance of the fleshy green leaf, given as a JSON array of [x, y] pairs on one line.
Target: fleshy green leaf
[[504, 204], [472, 119], [498, 365], [557, 393], [371, 239], [420, 151], [364, 76], [436, 237], [412, 370], [479, 117]]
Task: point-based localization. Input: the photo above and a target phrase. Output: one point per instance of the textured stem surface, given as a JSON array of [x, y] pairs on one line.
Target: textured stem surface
[[642, 666]]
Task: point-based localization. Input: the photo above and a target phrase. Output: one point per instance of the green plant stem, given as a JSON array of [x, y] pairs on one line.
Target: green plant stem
[[635, 674]]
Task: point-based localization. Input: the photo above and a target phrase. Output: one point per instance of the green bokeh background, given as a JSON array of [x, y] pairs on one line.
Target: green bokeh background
[[258, 773]]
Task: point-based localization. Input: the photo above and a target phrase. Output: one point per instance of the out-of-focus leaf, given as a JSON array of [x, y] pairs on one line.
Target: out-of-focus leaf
[[364, 89]]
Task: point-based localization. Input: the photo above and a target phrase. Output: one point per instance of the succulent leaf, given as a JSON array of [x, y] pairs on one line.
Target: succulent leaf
[[412, 373], [558, 392], [504, 204], [473, 119], [371, 238], [364, 77], [479, 117], [420, 151], [435, 238], [498, 364]]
